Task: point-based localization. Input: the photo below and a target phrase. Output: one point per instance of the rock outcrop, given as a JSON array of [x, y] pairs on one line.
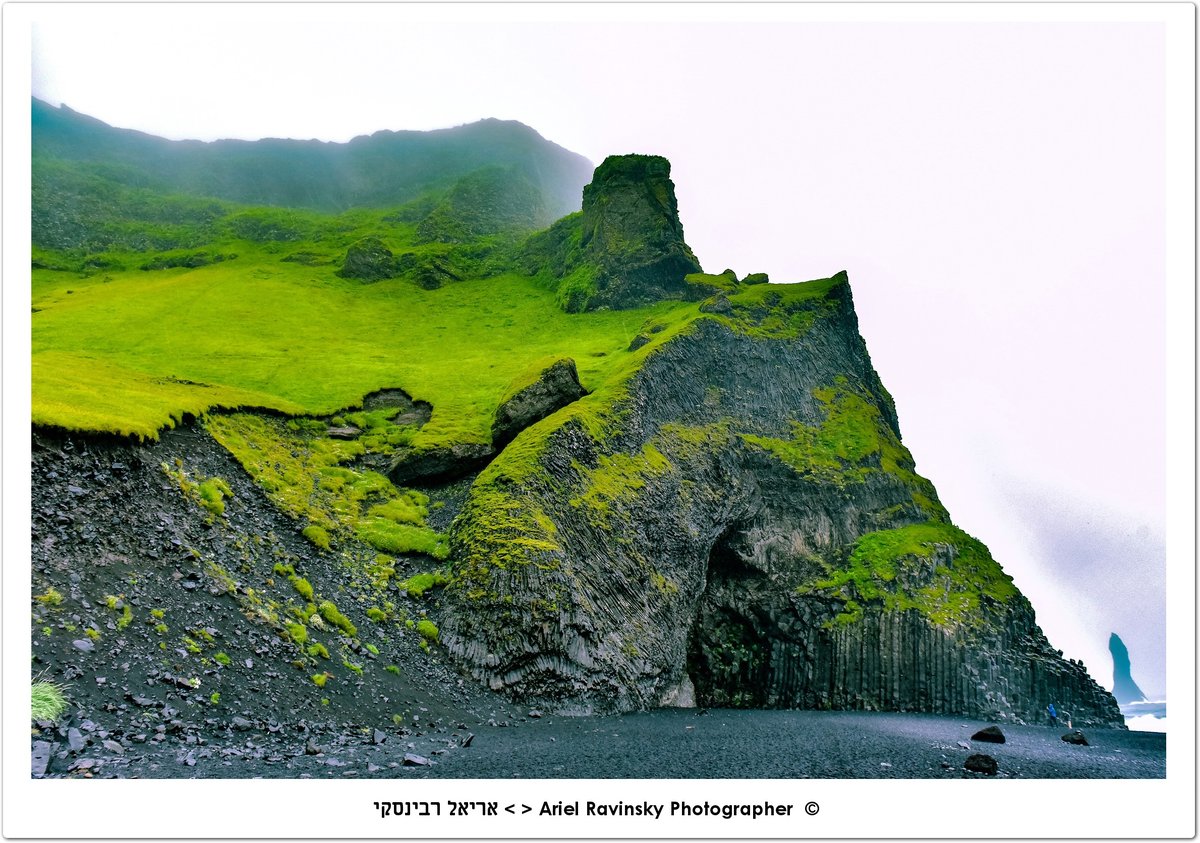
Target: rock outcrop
[[368, 260], [531, 399], [626, 248], [1125, 690], [741, 518], [438, 464]]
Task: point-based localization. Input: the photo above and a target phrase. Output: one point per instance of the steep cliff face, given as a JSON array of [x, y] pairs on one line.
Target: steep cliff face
[[737, 523]]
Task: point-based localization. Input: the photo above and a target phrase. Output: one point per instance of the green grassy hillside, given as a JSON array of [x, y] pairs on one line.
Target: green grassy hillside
[[380, 170], [130, 350]]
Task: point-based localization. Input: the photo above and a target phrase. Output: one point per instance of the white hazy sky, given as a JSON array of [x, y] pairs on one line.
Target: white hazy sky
[[995, 190]]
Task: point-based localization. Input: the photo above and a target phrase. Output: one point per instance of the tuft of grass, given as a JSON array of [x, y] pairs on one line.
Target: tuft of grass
[[213, 492], [48, 700], [50, 597]]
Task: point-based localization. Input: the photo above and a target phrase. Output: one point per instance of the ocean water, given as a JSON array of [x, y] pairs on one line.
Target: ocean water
[[1149, 716]]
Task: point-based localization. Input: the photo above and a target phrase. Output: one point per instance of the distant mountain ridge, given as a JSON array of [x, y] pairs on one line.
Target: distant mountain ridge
[[384, 169]]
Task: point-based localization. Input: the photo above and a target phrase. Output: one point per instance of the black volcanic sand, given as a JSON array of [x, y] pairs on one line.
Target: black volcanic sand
[[676, 743]]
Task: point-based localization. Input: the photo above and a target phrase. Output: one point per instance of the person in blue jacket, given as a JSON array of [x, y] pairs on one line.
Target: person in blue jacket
[[1053, 714]]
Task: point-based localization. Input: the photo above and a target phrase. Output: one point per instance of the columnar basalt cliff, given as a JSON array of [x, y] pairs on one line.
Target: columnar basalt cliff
[[736, 522]]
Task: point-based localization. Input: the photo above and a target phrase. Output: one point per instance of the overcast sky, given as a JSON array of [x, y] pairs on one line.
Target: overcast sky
[[995, 191]]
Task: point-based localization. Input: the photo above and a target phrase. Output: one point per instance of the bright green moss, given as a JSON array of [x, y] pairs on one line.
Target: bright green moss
[[319, 679], [782, 311], [298, 632], [411, 507], [853, 442], [303, 587], [896, 568], [222, 659], [619, 478], [417, 585], [726, 281], [318, 649], [331, 615], [317, 535], [213, 492], [391, 537], [427, 629]]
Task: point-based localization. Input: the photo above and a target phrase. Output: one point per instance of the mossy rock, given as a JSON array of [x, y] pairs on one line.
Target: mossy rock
[[536, 394], [369, 260]]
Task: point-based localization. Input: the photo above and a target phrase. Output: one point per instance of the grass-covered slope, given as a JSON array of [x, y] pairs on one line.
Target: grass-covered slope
[[128, 350]]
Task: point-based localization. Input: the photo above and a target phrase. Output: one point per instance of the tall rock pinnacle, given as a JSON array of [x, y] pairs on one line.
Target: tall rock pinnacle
[[1124, 688], [626, 248], [631, 231]]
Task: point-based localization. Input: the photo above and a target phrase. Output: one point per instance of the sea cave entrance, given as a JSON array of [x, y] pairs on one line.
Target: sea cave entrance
[[729, 648]]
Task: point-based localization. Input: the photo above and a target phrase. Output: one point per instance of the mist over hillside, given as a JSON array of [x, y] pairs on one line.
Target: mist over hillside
[[382, 169]]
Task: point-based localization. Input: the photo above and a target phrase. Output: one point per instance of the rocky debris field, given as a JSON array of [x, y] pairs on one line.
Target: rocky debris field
[[175, 630]]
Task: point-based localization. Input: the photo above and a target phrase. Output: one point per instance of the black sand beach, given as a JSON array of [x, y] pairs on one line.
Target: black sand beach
[[671, 743]]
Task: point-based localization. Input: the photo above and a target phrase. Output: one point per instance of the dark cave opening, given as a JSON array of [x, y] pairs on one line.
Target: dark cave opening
[[728, 650]]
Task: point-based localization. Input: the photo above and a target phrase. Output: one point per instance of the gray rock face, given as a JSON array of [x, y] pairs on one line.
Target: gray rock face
[[699, 533], [554, 388], [39, 758], [435, 465]]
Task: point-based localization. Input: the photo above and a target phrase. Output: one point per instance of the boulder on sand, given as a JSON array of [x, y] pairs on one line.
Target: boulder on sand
[[980, 763], [991, 734], [1076, 738]]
